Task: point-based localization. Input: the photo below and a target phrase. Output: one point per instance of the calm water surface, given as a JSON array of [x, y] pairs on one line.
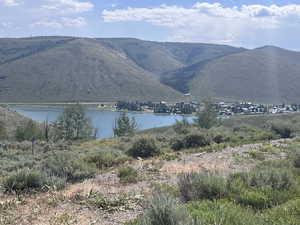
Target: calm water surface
[[102, 119]]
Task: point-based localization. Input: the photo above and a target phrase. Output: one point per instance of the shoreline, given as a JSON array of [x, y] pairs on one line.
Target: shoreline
[[88, 106]]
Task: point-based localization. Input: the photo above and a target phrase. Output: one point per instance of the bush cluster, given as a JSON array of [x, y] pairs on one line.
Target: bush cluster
[[106, 158], [164, 210], [283, 129], [197, 186], [24, 180], [53, 172], [194, 140], [128, 175], [66, 165], [144, 147]]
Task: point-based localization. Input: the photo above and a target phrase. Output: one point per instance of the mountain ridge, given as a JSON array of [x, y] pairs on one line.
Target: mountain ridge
[[62, 68]]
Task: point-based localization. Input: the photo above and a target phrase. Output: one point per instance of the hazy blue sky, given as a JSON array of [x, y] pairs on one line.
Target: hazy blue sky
[[247, 23]]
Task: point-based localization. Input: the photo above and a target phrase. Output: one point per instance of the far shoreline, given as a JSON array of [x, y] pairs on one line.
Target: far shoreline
[[88, 105]]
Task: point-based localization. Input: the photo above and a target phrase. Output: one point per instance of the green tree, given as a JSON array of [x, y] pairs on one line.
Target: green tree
[[73, 124], [207, 118], [3, 131], [182, 126], [124, 126], [28, 131]]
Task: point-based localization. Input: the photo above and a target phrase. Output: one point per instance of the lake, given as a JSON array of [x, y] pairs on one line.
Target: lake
[[103, 120]]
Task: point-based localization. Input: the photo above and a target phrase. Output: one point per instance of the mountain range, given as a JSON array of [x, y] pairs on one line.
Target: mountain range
[[58, 69]]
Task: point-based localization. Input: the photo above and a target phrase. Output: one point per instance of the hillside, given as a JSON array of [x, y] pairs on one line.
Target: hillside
[[267, 74], [225, 175], [10, 120], [160, 57], [79, 69], [56, 69]]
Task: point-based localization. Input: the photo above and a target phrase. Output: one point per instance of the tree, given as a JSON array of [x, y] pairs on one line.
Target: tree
[[3, 131], [28, 131], [73, 124], [182, 126], [206, 118], [124, 126]]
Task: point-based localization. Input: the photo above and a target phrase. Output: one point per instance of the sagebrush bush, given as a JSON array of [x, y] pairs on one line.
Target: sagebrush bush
[[144, 147], [276, 179], [283, 129], [285, 214], [128, 175], [265, 186], [253, 198], [178, 143], [106, 158], [202, 185], [222, 213], [194, 140], [294, 155], [24, 180], [221, 134], [219, 138], [67, 166], [164, 210]]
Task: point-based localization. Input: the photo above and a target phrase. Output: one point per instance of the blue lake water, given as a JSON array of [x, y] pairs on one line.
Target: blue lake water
[[103, 120]]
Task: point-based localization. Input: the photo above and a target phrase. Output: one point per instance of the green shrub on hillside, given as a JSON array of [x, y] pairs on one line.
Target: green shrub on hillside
[[194, 140], [106, 158], [202, 185], [128, 175], [285, 214], [164, 210], [276, 179], [293, 153], [283, 129], [222, 213], [24, 180], [67, 166], [144, 147], [263, 187]]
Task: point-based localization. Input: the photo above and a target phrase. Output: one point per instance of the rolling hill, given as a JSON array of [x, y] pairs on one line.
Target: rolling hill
[[59, 69], [78, 70], [55, 69], [268, 74], [160, 57]]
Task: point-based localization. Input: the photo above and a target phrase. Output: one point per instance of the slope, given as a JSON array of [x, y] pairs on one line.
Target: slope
[[160, 57], [79, 69], [267, 74]]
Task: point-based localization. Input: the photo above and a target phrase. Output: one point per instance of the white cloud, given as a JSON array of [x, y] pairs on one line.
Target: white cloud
[[9, 2], [68, 6], [212, 22], [62, 23]]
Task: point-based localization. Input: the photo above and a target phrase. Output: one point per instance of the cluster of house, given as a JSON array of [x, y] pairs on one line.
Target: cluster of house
[[223, 109], [228, 109], [161, 107]]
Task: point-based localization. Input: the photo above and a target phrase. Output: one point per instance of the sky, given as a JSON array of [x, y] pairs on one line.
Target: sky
[[244, 23]]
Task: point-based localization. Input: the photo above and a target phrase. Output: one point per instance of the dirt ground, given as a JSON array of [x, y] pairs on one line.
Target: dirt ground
[[70, 206]]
